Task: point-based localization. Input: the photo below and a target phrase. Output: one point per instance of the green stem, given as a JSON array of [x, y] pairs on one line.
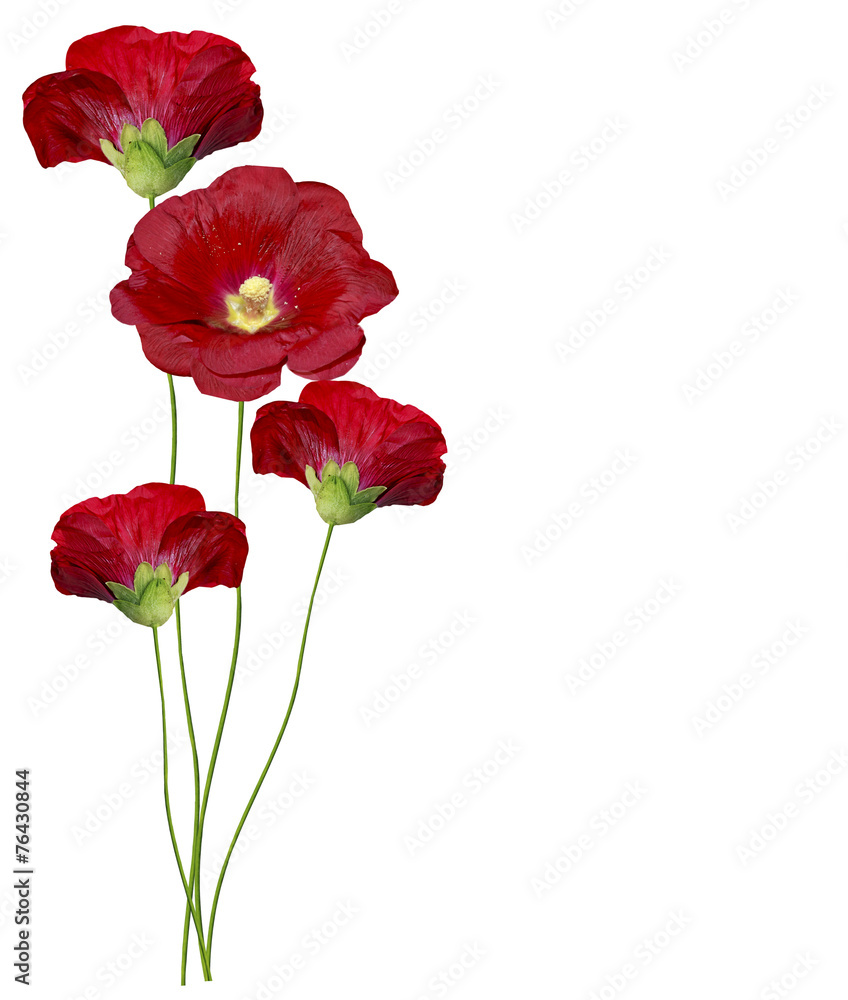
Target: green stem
[[203, 958], [238, 456], [229, 691], [173, 429], [152, 200], [196, 766], [279, 739]]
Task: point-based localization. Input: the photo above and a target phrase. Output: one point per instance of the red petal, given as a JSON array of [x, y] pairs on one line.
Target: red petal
[[210, 546], [66, 115], [328, 353], [286, 437], [242, 388]]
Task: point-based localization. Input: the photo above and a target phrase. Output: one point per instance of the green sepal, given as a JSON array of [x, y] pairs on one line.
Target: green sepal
[[369, 495], [312, 480], [143, 575], [143, 169], [122, 593], [133, 612], [115, 157], [175, 173], [152, 601], [154, 135], [336, 498], [350, 477], [147, 165], [129, 133], [182, 150]]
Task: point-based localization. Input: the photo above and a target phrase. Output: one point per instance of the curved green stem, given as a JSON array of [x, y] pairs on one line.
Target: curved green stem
[[228, 693], [203, 957], [196, 766], [173, 396], [279, 739]]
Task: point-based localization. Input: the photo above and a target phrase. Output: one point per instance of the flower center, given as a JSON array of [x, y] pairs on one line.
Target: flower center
[[253, 307]]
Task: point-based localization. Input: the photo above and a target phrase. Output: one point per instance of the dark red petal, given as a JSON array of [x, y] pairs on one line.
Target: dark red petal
[[138, 519], [66, 115], [87, 554], [286, 437], [240, 123], [327, 354], [239, 354], [167, 75], [208, 545], [393, 445], [170, 348], [241, 388]]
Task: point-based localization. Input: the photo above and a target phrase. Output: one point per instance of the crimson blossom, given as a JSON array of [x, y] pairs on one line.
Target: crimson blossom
[[141, 550], [194, 86], [233, 281], [370, 451]]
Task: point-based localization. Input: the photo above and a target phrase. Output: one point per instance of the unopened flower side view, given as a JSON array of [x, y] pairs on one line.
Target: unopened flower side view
[[228, 285]]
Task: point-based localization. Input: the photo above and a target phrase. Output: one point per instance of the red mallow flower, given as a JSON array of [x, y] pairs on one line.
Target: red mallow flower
[[141, 550], [194, 84], [369, 451], [233, 281]]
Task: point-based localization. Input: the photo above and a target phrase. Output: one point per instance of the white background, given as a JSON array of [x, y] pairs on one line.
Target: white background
[[538, 239]]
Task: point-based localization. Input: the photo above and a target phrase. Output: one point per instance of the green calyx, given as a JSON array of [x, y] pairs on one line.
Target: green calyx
[[152, 599], [148, 166], [338, 498]]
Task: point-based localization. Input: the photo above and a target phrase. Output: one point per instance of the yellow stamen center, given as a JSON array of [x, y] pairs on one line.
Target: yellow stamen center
[[253, 307]]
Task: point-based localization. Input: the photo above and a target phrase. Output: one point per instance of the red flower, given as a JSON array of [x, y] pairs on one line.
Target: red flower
[[395, 450], [191, 84], [233, 281], [104, 545]]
